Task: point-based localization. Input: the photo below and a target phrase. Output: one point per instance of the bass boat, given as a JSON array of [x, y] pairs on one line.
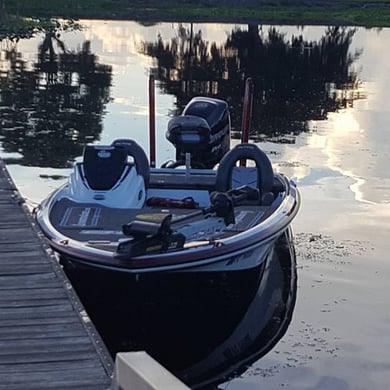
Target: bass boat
[[212, 209]]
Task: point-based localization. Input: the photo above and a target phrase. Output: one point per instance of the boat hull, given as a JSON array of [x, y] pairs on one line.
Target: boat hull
[[205, 327]]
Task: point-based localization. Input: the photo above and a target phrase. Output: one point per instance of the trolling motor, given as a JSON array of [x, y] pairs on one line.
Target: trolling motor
[[202, 131], [149, 237], [159, 237]]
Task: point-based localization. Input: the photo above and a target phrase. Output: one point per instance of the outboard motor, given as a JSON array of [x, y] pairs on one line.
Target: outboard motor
[[203, 130]]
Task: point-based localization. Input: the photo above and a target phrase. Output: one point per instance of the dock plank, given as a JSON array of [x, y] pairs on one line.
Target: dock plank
[[9, 282], [45, 331], [46, 339], [40, 358], [49, 366], [38, 293], [17, 269]]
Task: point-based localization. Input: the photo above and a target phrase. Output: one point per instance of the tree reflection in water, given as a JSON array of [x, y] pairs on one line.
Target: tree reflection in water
[[295, 81], [50, 111]]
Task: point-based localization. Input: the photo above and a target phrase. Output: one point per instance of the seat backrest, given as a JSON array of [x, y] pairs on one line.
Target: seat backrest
[[260, 177], [103, 166], [138, 154]]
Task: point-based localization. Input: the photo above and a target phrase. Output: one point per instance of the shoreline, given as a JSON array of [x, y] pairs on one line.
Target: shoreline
[[369, 13]]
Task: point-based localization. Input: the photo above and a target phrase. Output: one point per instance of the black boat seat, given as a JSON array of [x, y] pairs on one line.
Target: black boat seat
[[261, 177], [103, 166]]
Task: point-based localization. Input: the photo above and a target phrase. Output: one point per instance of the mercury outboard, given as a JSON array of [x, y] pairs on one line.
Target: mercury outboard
[[202, 131]]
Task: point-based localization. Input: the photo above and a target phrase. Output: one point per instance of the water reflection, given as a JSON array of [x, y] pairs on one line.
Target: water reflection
[[51, 108], [203, 328], [295, 80]]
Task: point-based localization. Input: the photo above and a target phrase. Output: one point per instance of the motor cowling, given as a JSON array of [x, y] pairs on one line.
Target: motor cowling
[[203, 130]]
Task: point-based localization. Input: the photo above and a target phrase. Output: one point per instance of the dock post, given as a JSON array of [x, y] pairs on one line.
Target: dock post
[[139, 371]]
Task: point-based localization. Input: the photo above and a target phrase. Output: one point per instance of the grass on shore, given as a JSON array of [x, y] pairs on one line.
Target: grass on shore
[[369, 13]]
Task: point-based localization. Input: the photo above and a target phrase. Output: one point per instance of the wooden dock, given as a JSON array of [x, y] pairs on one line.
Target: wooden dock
[[46, 339]]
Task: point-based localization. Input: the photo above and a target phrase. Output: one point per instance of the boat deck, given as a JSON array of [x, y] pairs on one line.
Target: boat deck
[[46, 339], [94, 223]]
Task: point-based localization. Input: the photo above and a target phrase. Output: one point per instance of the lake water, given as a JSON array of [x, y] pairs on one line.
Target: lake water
[[321, 112]]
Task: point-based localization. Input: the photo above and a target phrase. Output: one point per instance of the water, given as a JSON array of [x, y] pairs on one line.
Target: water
[[320, 113]]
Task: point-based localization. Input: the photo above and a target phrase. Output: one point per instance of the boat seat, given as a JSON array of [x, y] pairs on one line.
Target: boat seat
[[103, 166], [135, 151], [261, 176]]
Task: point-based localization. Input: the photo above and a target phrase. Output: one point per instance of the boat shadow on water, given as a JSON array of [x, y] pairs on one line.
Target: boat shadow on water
[[206, 328]]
